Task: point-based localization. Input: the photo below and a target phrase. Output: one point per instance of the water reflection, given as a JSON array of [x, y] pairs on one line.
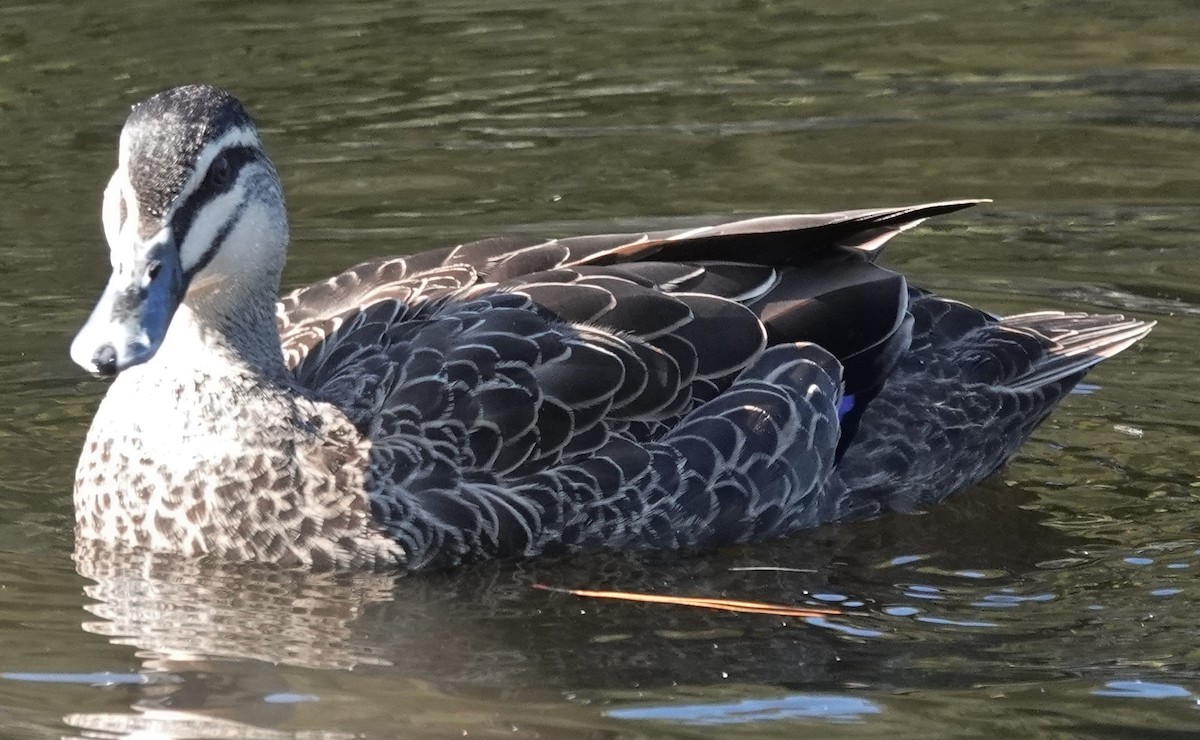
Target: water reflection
[[182, 611], [223, 650], [212, 640], [824, 706]]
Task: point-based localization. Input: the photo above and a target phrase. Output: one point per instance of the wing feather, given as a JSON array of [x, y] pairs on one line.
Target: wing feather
[[676, 388]]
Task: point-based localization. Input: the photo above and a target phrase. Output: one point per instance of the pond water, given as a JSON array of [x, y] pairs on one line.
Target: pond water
[[1059, 597]]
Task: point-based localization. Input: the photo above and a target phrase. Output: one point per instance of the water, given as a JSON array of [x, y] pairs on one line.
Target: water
[[1057, 598]]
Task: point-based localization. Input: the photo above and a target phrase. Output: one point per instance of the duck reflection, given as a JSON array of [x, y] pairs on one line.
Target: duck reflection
[[188, 610], [251, 651]]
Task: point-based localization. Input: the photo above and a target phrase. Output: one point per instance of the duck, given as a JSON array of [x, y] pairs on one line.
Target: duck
[[514, 397]]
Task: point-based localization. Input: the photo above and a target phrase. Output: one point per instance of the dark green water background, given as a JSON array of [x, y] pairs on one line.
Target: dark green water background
[[1058, 598]]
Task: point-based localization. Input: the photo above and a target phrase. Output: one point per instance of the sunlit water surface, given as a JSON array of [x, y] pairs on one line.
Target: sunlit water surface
[[1059, 597]]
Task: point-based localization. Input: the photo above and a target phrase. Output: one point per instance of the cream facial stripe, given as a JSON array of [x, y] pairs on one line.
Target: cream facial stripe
[[208, 223], [120, 192], [203, 217]]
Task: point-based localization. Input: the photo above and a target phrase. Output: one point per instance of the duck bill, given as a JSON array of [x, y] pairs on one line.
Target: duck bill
[[130, 321]]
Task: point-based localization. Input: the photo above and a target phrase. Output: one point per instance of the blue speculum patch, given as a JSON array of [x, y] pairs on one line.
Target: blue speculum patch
[[845, 406]]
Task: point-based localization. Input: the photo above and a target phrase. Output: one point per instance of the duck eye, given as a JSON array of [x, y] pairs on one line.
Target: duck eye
[[220, 171]]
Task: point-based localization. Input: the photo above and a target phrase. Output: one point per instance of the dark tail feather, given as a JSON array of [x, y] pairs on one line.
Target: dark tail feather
[[1077, 342]]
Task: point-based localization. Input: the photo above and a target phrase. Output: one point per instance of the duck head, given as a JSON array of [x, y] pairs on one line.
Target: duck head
[[194, 216]]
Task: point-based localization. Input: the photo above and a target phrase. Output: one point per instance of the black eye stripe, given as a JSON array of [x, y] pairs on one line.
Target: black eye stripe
[[222, 235], [236, 158]]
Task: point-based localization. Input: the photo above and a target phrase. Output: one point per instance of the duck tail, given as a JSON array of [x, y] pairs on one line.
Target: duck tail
[[969, 392], [1073, 343]]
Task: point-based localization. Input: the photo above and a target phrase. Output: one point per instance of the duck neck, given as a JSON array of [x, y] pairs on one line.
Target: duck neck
[[226, 330]]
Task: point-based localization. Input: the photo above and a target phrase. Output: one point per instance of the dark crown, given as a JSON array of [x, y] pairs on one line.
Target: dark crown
[[167, 132]]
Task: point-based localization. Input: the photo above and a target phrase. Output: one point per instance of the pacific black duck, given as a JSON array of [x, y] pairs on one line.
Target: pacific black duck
[[513, 397]]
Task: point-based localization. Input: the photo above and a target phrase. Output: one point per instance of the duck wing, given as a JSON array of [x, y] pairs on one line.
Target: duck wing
[[307, 315], [666, 389], [563, 340]]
